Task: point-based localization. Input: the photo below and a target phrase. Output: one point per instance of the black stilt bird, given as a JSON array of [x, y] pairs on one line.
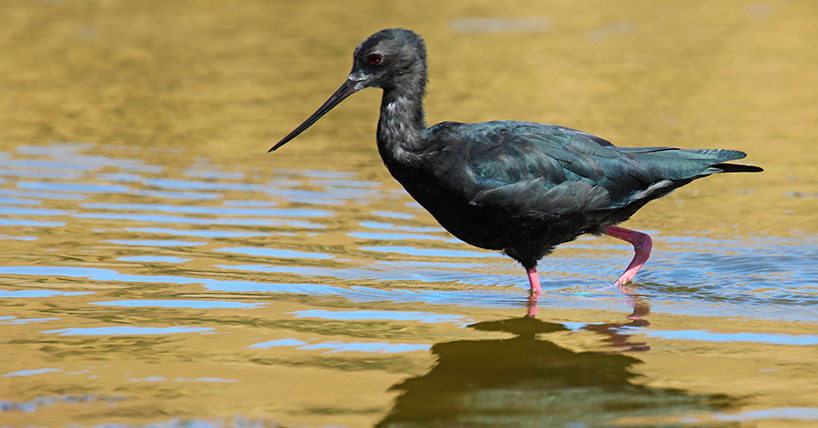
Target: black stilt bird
[[519, 187]]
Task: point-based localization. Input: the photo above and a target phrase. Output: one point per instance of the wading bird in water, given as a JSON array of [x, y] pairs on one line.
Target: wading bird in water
[[518, 187]]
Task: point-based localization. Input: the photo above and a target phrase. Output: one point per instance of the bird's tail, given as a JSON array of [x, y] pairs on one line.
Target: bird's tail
[[690, 163], [722, 155], [736, 167]]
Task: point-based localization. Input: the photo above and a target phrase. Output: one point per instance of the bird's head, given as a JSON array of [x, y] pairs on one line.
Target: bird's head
[[388, 59]]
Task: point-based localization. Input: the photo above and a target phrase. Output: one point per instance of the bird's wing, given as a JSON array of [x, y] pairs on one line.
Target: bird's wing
[[530, 167], [549, 170]]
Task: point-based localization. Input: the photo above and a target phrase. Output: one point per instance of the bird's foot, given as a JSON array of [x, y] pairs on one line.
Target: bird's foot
[[623, 287]]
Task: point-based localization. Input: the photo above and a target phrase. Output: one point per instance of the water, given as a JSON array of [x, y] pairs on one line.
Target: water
[[158, 269], [134, 289]]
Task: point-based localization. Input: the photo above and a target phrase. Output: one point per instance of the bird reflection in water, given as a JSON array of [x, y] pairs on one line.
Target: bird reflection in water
[[528, 380]]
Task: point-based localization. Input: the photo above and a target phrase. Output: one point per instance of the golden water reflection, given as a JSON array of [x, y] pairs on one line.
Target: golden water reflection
[[157, 267]]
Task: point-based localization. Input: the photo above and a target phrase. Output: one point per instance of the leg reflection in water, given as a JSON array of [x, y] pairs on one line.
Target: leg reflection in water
[[640, 305]]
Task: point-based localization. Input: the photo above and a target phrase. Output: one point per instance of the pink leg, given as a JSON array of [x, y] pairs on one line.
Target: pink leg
[[641, 246], [534, 280]]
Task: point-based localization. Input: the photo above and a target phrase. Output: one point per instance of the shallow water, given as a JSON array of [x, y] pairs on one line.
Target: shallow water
[[158, 269]]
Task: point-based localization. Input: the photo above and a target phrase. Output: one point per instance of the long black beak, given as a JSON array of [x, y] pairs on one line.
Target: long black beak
[[348, 88]]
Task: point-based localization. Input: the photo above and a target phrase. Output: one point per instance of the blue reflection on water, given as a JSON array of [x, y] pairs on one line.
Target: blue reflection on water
[[107, 275], [357, 293], [148, 379], [20, 321], [193, 304], [390, 226], [377, 347], [427, 252], [125, 331], [163, 194], [314, 173], [43, 195], [169, 183], [385, 271], [17, 173], [158, 218], [152, 259], [780, 413], [249, 203], [277, 343], [6, 294], [706, 336], [119, 177], [275, 252], [20, 201], [312, 197], [45, 164], [215, 175], [345, 183], [389, 236], [391, 214], [19, 238], [31, 372], [205, 233], [155, 243], [32, 223], [424, 317], [208, 210], [73, 187]]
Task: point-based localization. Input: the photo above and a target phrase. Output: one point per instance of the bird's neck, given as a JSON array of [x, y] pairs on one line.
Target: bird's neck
[[402, 122]]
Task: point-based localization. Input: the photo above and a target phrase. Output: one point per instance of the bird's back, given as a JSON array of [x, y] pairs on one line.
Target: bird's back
[[542, 179]]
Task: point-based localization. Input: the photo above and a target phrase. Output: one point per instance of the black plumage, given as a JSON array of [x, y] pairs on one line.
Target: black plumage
[[518, 187]]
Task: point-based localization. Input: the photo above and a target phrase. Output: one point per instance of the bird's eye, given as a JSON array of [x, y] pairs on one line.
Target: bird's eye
[[374, 58]]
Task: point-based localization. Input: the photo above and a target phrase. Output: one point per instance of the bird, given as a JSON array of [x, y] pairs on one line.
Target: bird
[[518, 187]]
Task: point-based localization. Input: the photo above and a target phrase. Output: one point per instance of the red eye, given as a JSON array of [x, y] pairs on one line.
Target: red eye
[[375, 59]]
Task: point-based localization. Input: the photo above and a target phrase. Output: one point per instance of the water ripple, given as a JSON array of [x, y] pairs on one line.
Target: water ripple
[[187, 209], [125, 331]]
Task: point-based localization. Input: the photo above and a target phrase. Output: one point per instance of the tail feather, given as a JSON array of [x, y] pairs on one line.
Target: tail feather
[[735, 167], [683, 164]]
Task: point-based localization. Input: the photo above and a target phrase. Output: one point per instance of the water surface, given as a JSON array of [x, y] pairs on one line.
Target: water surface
[[157, 268]]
